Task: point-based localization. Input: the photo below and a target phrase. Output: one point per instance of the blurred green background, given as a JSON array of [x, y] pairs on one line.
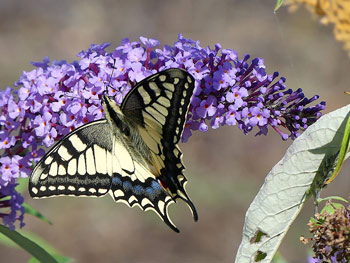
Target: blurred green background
[[225, 168]]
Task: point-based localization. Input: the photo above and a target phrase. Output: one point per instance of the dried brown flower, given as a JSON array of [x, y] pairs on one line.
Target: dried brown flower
[[331, 234]]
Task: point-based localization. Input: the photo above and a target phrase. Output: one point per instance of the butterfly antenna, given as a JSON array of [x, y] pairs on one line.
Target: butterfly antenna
[[111, 76], [65, 94]]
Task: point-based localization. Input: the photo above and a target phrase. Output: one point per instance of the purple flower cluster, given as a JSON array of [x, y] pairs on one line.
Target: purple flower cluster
[[57, 97], [11, 201]]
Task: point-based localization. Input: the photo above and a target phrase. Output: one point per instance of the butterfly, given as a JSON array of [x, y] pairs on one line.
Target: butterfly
[[132, 154]]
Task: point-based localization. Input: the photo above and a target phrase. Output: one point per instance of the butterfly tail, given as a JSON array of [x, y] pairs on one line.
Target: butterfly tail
[[182, 194]]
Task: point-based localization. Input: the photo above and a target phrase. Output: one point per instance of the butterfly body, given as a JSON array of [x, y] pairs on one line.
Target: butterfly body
[[126, 130], [131, 154]]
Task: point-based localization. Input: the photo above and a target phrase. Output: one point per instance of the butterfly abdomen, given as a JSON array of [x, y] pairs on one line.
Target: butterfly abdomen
[[126, 130]]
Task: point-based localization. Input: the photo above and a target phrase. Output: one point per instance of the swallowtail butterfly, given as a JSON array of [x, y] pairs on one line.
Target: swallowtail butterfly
[[132, 154]]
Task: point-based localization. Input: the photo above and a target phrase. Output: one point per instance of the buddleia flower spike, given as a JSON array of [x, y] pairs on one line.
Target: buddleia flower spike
[[127, 146]]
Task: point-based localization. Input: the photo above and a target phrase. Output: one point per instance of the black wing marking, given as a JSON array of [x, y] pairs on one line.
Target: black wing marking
[[159, 105]]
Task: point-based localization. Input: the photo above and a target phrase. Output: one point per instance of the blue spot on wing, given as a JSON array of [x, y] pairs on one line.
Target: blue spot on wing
[[156, 186], [138, 189], [116, 181], [127, 186], [153, 191], [151, 188], [150, 193]]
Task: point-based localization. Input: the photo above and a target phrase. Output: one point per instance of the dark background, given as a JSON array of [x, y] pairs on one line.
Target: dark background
[[225, 168]]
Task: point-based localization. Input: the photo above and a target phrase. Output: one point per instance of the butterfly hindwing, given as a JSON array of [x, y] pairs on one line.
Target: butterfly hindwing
[[137, 186]]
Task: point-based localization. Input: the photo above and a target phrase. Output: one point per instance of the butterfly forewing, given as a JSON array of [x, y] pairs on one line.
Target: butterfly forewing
[[159, 104], [76, 165]]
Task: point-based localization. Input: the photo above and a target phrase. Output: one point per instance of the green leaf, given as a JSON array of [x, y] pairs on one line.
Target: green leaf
[[330, 208], [278, 5], [32, 211], [7, 242], [313, 220], [343, 150], [332, 198], [317, 222], [28, 245], [39, 240], [288, 185], [59, 258]]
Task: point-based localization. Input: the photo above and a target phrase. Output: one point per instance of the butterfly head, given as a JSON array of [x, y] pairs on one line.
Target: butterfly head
[[112, 111]]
